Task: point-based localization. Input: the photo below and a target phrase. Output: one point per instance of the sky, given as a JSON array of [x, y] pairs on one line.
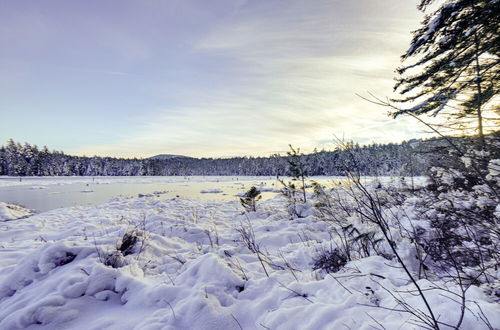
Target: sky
[[221, 78]]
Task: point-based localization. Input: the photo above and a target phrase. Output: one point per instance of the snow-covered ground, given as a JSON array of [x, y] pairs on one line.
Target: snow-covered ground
[[190, 269]]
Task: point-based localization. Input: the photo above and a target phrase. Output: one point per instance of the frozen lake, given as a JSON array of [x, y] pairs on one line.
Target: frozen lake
[[48, 193]]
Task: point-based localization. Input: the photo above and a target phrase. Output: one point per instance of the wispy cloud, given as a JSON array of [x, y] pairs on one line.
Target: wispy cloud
[[288, 74], [247, 77]]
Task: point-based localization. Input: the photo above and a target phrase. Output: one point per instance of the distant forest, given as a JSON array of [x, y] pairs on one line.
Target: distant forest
[[405, 158]]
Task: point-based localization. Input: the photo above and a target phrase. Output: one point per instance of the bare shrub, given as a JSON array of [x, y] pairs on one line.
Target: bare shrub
[[128, 242], [330, 261], [126, 245]]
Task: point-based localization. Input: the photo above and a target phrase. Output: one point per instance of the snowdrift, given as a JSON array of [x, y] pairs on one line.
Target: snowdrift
[[188, 268]]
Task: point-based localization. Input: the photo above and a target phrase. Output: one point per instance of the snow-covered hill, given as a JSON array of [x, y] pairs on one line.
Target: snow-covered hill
[[167, 156]]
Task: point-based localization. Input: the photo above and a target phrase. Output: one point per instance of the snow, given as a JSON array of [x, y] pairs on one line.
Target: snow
[[43, 182], [443, 39], [494, 168], [191, 270], [471, 30], [12, 212], [432, 25], [211, 191]]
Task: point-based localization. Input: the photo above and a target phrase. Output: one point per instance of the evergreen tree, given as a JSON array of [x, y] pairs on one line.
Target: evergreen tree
[[455, 64], [249, 200], [298, 168], [18, 159]]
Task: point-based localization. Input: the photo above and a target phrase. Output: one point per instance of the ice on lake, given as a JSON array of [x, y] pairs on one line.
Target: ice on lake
[[47, 193]]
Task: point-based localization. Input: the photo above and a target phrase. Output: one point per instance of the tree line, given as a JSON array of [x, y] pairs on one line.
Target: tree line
[[405, 158]]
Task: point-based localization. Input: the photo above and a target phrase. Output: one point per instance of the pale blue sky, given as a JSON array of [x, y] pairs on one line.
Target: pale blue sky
[[199, 78]]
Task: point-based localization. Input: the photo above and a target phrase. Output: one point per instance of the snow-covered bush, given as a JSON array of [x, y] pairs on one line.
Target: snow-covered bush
[[460, 209], [296, 206], [445, 232], [353, 235]]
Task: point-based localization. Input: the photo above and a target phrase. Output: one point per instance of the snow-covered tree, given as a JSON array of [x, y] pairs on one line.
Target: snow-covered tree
[[18, 159], [452, 63]]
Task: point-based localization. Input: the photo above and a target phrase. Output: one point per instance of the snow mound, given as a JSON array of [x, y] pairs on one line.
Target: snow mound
[[211, 191], [12, 212]]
